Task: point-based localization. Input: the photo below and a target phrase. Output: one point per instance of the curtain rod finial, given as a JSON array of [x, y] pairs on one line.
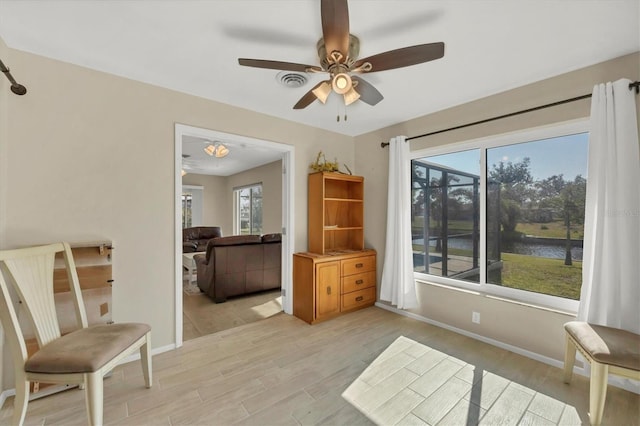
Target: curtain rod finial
[[384, 144], [18, 89]]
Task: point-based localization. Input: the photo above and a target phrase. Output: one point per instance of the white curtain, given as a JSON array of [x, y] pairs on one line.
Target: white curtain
[[611, 259], [398, 285]]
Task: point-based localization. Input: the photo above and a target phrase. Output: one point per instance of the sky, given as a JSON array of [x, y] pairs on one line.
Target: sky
[[565, 155]]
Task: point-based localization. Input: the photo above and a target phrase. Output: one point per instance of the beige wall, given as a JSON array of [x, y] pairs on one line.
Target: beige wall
[[271, 177], [91, 155], [218, 196], [4, 92], [214, 200], [534, 330]]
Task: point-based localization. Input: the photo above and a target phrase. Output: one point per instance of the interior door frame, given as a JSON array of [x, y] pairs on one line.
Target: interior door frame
[[288, 154]]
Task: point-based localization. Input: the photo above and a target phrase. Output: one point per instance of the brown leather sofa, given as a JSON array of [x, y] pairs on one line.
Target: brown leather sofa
[[196, 238], [240, 264]]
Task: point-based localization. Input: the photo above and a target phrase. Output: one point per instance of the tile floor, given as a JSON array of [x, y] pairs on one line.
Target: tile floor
[[412, 384]]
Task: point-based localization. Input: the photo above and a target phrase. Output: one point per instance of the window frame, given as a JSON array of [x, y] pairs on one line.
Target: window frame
[[485, 143], [237, 221]]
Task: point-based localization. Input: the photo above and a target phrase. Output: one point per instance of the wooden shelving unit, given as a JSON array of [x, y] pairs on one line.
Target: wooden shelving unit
[[336, 212], [337, 275]]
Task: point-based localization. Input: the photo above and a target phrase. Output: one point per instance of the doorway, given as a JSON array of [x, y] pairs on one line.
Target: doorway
[[286, 155]]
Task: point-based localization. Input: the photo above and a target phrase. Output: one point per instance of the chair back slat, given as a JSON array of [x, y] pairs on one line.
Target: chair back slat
[[32, 277], [74, 287]]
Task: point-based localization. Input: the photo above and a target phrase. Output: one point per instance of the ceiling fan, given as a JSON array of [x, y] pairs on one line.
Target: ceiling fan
[[338, 53]]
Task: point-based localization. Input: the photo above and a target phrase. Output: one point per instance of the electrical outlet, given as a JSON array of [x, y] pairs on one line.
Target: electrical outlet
[[475, 317]]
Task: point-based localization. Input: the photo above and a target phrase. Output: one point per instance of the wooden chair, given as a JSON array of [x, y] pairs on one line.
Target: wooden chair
[[81, 357], [609, 351]]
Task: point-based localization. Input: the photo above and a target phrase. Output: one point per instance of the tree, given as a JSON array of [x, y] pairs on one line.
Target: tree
[[515, 181], [568, 198]]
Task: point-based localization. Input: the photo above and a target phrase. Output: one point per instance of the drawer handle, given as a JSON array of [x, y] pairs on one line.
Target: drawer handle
[[359, 265], [359, 281], [329, 290], [359, 298]]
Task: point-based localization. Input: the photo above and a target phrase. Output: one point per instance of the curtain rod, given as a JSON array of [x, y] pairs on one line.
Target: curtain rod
[[635, 85], [16, 88]]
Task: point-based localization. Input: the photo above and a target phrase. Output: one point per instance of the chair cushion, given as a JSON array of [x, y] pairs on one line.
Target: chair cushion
[[85, 350], [607, 345]]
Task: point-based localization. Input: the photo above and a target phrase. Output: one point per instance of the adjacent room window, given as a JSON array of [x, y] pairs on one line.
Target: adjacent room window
[[505, 215], [187, 212], [192, 205], [248, 210]]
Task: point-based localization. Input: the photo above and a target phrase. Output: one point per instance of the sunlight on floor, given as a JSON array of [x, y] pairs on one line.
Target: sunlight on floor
[[269, 308], [410, 383]]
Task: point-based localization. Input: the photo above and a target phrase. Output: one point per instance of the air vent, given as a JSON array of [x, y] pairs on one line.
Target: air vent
[[291, 79]]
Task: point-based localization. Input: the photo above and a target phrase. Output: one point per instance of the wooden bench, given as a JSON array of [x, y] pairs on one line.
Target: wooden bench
[[609, 351]]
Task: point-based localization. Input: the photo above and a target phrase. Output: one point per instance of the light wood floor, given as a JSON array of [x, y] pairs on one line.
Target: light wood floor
[[201, 316], [282, 371]]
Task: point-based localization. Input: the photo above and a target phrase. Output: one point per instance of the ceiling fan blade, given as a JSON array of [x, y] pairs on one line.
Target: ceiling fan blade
[[368, 93], [403, 57], [335, 26], [278, 65], [308, 97]]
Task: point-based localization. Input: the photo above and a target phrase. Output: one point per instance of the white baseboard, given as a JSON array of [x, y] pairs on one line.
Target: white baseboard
[[6, 394], [627, 384]]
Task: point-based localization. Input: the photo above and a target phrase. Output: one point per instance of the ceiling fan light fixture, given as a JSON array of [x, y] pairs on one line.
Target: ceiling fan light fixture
[[338, 52], [342, 83], [351, 96], [222, 151], [322, 91], [210, 149], [216, 149]]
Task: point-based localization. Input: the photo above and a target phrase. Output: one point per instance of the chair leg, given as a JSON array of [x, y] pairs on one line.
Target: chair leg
[[569, 359], [20, 402], [597, 392], [145, 357], [94, 397]]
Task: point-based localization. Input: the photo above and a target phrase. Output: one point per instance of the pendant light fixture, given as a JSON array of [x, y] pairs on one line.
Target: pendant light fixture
[[216, 149]]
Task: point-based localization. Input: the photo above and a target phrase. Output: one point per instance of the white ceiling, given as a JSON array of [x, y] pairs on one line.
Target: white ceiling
[[193, 46], [244, 154]]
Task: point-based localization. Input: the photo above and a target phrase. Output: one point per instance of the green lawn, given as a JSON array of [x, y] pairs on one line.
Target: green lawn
[[536, 274], [554, 229], [542, 275]]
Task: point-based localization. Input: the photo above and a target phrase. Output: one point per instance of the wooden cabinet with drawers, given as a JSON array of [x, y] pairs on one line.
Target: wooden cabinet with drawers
[[327, 285]]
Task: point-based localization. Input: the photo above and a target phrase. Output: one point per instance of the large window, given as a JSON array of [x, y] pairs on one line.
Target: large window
[[504, 215], [248, 207]]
